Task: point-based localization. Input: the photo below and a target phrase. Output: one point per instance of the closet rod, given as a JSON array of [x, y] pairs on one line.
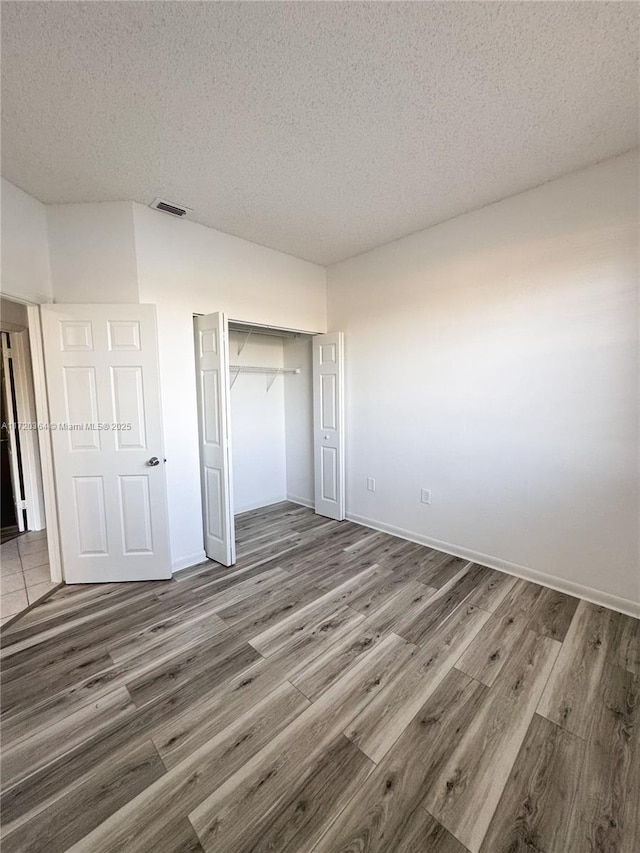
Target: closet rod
[[273, 372]]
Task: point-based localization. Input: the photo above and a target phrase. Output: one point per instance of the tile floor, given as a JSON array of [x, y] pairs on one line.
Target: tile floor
[[24, 573]]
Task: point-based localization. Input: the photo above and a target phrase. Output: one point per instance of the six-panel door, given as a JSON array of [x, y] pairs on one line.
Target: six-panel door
[[104, 403]]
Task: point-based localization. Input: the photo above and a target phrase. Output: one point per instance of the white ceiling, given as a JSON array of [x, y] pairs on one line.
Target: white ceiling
[[320, 129]]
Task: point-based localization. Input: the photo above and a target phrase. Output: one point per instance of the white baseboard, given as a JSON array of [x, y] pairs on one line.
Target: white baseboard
[[296, 499], [187, 562], [595, 596], [259, 505]]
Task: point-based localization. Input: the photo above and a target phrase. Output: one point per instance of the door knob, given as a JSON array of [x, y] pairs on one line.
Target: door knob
[[153, 461]]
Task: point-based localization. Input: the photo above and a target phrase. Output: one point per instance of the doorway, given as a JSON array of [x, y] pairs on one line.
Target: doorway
[[271, 400], [11, 493], [26, 574], [270, 408]]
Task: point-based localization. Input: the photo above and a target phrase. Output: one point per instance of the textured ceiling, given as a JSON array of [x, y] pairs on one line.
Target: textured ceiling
[[320, 129]]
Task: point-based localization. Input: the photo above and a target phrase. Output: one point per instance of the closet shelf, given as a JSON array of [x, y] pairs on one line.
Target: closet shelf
[[245, 368], [272, 372]]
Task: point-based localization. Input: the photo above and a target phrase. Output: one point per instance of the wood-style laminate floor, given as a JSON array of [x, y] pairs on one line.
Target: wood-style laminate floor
[[337, 690]]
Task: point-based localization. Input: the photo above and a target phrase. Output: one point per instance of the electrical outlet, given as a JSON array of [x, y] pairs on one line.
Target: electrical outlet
[[425, 496], [371, 484]]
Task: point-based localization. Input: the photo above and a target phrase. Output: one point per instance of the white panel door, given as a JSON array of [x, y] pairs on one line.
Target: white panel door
[[328, 424], [104, 403], [214, 422]]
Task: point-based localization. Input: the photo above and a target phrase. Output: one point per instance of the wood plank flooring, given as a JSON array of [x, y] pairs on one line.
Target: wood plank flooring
[[339, 690]]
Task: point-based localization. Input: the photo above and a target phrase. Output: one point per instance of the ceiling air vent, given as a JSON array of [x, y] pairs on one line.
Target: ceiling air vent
[[169, 207]]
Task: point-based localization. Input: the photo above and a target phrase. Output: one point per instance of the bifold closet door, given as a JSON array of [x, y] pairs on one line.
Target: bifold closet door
[[328, 424], [214, 423]]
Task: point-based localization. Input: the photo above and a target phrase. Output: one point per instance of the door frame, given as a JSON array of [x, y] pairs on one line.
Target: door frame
[[44, 441], [21, 393], [36, 368], [16, 453], [264, 328]]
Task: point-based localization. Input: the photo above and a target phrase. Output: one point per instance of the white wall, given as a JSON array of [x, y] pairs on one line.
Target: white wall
[[13, 316], [257, 424], [185, 268], [298, 391], [26, 273], [125, 252], [93, 253], [494, 360]]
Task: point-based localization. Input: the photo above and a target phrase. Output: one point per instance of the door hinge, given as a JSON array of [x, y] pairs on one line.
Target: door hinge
[[23, 504]]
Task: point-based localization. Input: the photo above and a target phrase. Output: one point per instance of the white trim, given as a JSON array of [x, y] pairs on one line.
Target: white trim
[[595, 596], [295, 499], [260, 505], [35, 298], [29, 450], [44, 439], [18, 494], [188, 562]]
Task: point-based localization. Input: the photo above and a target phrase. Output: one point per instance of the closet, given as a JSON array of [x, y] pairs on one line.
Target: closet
[[271, 400], [270, 417]]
